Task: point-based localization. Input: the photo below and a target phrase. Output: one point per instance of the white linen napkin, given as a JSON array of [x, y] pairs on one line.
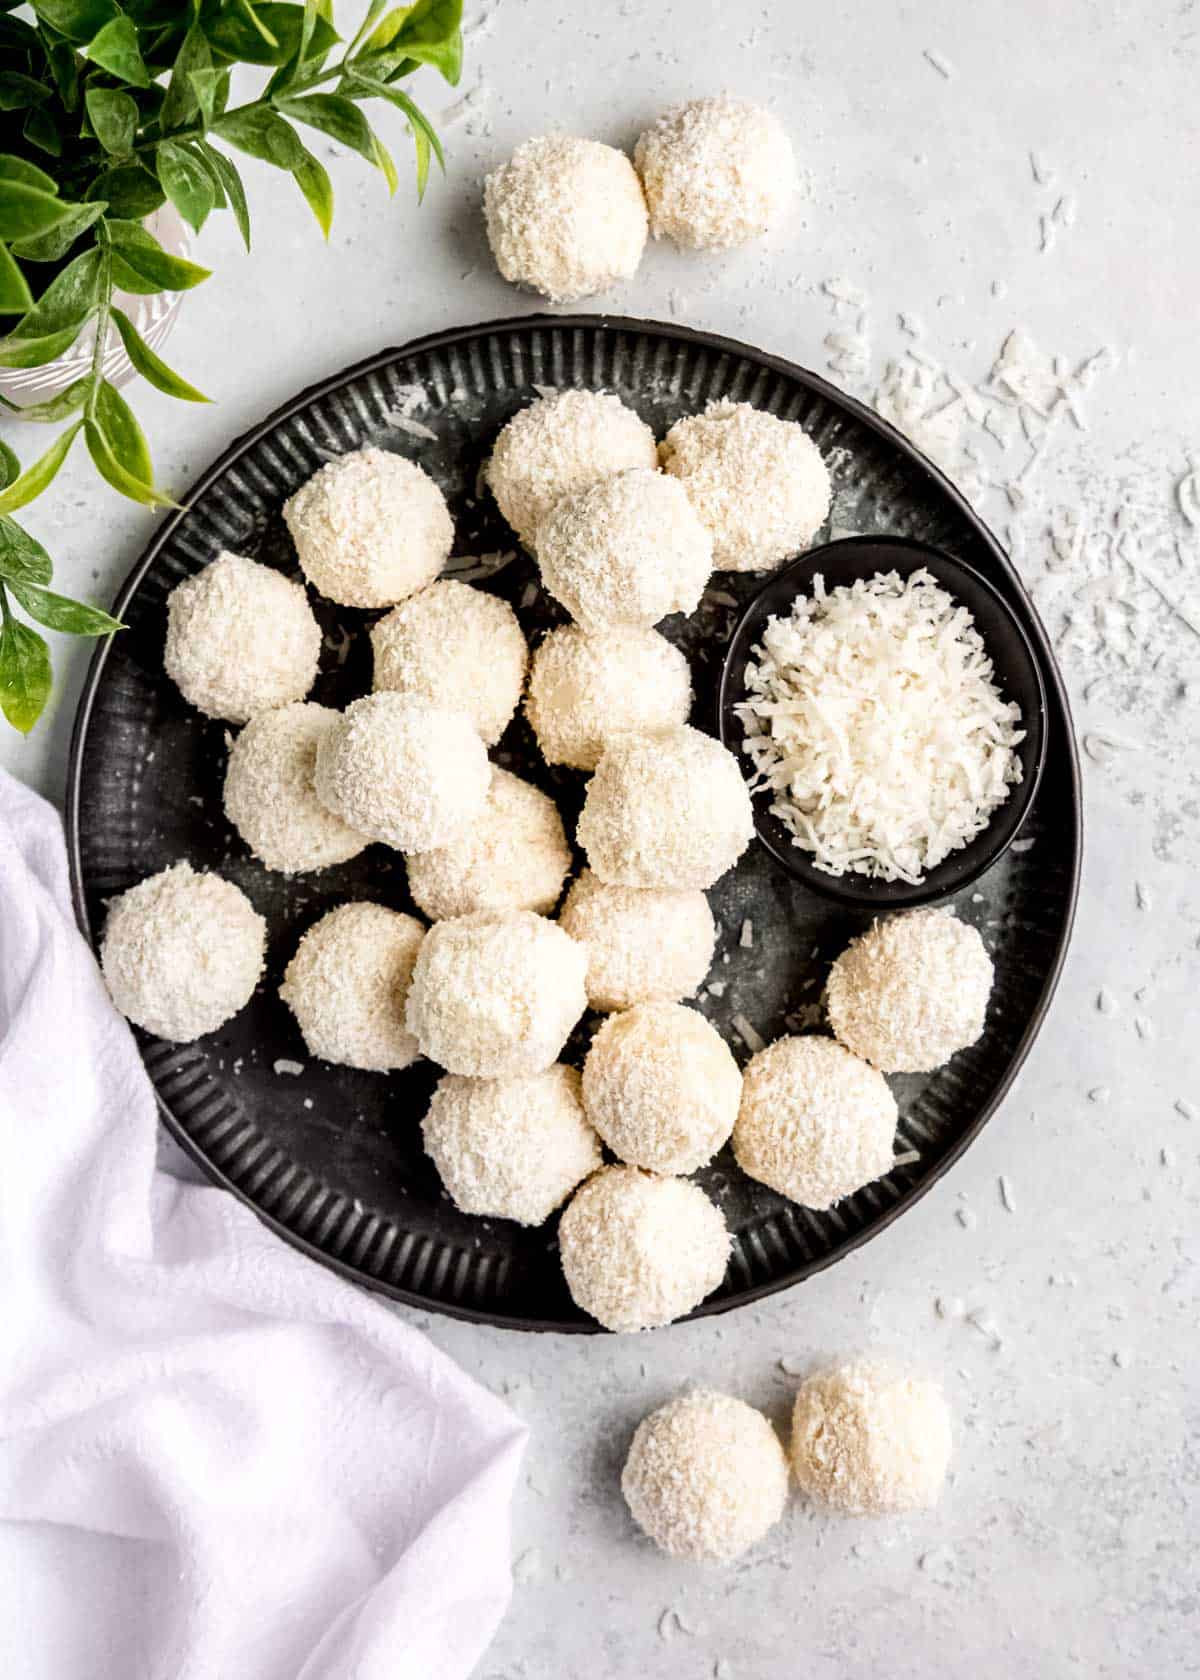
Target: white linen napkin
[[218, 1461]]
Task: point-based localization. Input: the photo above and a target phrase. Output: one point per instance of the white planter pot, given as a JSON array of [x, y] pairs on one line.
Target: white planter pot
[[152, 316]]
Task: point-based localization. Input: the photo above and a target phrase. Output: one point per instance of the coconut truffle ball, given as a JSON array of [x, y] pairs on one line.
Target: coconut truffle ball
[[402, 771], [869, 1440], [815, 1122], [269, 793], [514, 856], [628, 550], [456, 647], [370, 528], [565, 217], [638, 1251], [668, 810], [241, 639], [585, 690], [182, 952], [661, 1087], [511, 1148], [348, 983], [495, 995], [642, 946], [558, 446], [911, 991], [716, 173], [705, 1477], [759, 484]]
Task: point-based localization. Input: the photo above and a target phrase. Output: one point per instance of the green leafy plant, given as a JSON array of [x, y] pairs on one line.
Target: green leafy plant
[[108, 111]]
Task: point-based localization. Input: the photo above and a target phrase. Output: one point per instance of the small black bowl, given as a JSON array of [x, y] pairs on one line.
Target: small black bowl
[[1016, 675]]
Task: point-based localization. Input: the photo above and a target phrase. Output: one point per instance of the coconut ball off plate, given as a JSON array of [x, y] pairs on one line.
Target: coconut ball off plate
[[511, 1148], [661, 1087], [815, 1122], [911, 992], [869, 1439], [400, 770], [457, 647], [241, 639], [638, 1251], [558, 446], [565, 217], [370, 528], [495, 995], [347, 986], [716, 172], [269, 794], [586, 689], [758, 483], [668, 810], [513, 856], [182, 952], [628, 550], [706, 1477], [643, 946]]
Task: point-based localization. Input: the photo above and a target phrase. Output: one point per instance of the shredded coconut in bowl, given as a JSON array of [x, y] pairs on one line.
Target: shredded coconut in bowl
[[873, 718]]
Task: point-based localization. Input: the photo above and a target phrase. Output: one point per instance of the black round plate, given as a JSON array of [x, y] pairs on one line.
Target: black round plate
[[331, 1158], [1017, 676]]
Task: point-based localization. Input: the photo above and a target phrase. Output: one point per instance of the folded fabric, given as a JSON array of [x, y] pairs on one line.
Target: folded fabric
[[217, 1460]]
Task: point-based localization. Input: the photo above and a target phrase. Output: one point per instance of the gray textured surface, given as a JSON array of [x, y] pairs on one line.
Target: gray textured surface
[[1065, 1545]]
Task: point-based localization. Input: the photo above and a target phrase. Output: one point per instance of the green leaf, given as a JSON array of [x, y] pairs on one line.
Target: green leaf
[[37, 478], [60, 612], [78, 20], [36, 352], [25, 676], [15, 296], [54, 245], [374, 12], [185, 181], [430, 32], [313, 180], [27, 174], [25, 211], [181, 103], [64, 67], [67, 301], [59, 407], [140, 252], [263, 134], [18, 92], [41, 130], [337, 116], [129, 191], [114, 116], [206, 85], [235, 192], [241, 39], [16, 33], [10, 467], [110, 469], [115, 49], [22, 557], [122, 433], [151, 367], [425, 140]]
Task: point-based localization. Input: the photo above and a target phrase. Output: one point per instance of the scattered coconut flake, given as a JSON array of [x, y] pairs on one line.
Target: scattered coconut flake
[[952, 1308], [1106, 1003], [965, 1218], [747, 939], [1185, 1109], [528, 1567], [283, 1065], [753, 1041], [1006, 1193], [414, 428], [1022, 846], [906, 1158], [794, 1365], [1142, 895], [1143, 1026], [1122, 1359], [1042, 172], [716, 988], [940, 64], [1099, 1094]]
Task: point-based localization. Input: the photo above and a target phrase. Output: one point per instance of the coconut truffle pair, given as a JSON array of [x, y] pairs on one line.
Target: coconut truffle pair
[[706, 1476]]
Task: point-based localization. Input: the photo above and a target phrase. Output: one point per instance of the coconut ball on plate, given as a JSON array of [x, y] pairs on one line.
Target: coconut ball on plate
[[511, 1148], [565, 217], [370, 528], [241, 638], [668, 810], [456, 647], [269, 794], [495, 995], [661, 1087], [643, 946], [911, 991], [639, 1251], [706, 1477], [815, 1122], [182, 952], [586, 689], [871, 1440], [348, 983], [628, 550], [759, 484], [513, 856], [558, 446], [400, 770], [716, 172]]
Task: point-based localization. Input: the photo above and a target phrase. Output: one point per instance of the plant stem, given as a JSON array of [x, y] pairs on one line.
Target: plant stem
[[103, 314]]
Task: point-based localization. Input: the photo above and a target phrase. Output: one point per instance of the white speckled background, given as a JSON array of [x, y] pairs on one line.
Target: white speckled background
[[1065, 1544]]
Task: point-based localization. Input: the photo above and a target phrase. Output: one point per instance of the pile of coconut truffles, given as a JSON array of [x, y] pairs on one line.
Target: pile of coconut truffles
[[493, 980]]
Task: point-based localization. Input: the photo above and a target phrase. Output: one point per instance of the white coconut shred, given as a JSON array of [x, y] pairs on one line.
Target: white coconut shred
[[873, 717]]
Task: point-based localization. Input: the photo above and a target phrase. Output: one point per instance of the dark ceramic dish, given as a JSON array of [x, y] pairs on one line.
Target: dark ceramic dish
[[330, 1158], [1016, 674]]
